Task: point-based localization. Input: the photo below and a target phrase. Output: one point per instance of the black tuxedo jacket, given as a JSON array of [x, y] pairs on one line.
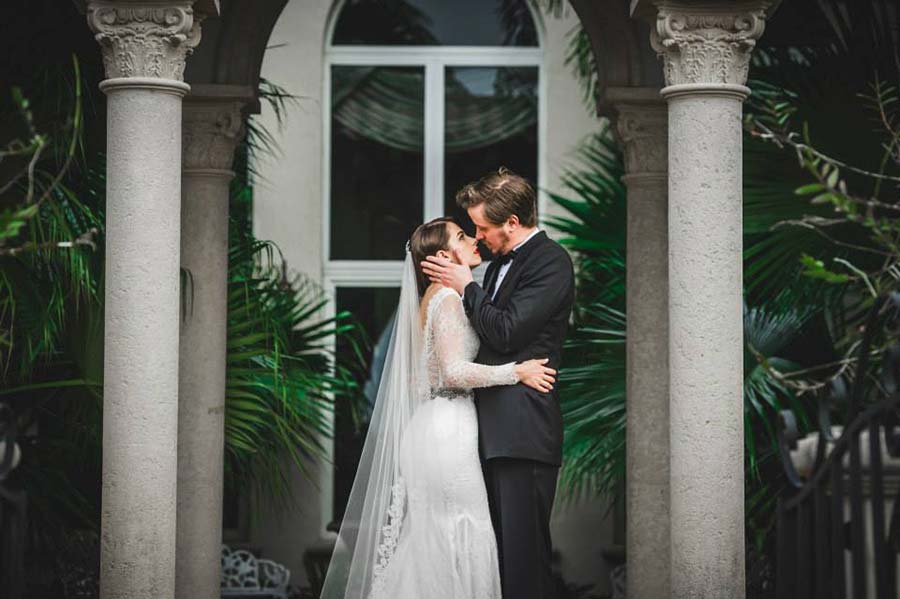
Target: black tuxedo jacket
[[527, 319]]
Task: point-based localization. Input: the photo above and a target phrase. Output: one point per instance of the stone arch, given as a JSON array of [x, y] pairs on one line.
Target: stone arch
[[621, 46], [233, 45], [338, 5]]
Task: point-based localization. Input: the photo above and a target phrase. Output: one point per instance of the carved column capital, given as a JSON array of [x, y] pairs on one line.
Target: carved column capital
[[211, 130], [642, 128], [144, 38], [708, 44]]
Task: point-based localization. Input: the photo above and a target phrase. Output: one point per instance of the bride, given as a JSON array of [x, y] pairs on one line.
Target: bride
[[417, 524]]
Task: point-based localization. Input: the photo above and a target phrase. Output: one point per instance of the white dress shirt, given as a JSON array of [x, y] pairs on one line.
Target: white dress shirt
[[505, 268]]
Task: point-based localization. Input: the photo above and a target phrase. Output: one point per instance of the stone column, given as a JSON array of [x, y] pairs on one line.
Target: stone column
[[212, 127], [144, 46], [706, 52], [641, 126]]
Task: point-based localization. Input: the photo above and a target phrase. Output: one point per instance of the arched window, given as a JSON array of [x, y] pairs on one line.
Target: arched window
[[422, 96]]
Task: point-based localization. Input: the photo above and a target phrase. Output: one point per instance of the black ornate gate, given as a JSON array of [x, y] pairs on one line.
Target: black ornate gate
[[13, 515], [839, 532]]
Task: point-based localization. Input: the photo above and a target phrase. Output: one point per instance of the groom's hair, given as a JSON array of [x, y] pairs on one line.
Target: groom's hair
[[503, 194]]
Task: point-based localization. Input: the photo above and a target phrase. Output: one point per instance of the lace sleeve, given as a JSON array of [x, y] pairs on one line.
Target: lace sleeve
[[449, 325]]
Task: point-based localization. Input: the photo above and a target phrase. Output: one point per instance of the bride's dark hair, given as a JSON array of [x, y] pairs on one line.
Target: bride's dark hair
[[427, 240]]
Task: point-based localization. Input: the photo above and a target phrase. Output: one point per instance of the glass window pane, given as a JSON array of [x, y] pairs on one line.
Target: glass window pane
[[374, 309], [435, 23], [491, 121], [377, 161]]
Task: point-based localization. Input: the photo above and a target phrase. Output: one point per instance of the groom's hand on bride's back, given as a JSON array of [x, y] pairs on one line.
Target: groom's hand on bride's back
[[448, 273], [536, 374]]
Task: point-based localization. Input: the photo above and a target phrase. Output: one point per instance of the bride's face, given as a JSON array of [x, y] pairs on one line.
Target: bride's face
[[463, 245]]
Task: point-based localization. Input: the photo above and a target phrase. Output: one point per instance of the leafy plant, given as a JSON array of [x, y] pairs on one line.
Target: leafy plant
[[280, 380], [860, 225], [50, 286], [281, 375], [810, 266], [43, 228], [592, 384]]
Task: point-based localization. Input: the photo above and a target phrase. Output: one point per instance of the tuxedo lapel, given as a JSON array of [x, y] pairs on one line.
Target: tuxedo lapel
[[516, 267], [490, 277]]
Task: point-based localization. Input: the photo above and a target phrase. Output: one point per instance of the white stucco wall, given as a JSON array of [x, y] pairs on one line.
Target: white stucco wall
[[288, 210], [288, 195], [568, 119]]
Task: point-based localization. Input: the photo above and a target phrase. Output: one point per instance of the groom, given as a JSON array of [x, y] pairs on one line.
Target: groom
[[521, 313]]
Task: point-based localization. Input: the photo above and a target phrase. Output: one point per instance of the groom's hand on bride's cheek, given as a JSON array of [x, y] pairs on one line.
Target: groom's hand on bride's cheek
[[434, 268], [446, 273]]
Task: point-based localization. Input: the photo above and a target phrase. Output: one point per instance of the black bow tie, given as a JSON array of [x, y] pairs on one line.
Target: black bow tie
[[505, 258]]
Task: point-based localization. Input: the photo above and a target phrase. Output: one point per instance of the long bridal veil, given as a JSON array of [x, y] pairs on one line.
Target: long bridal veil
[[377, 504]]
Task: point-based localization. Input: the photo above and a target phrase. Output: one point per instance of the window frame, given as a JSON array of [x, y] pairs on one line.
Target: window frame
[[434, 60]]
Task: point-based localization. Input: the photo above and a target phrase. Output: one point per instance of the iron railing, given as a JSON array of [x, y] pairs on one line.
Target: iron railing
[[838, 530], [13, 503]]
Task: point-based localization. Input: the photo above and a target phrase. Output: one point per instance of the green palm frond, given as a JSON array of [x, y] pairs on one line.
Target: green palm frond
[[282, 378], [259, 141], [592, 383], [581, 60], [50, 287], [47, 251], [864, 26], [592, 389], [776, 236], [769, 329]]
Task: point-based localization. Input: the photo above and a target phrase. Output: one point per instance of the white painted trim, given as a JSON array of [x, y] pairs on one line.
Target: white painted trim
[[542, 141], [434, 139], [326, 468], [420, 55], [364, 273], [540, 28], [326, 163]]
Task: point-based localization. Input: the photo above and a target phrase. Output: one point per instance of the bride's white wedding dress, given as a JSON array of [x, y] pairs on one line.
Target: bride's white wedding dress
[[417, 523], [438, 542]]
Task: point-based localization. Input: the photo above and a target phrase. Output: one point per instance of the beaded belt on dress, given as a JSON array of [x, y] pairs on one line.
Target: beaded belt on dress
[[449, 393]]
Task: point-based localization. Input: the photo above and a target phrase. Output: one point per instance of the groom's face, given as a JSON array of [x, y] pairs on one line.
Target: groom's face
[[494, 237]]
